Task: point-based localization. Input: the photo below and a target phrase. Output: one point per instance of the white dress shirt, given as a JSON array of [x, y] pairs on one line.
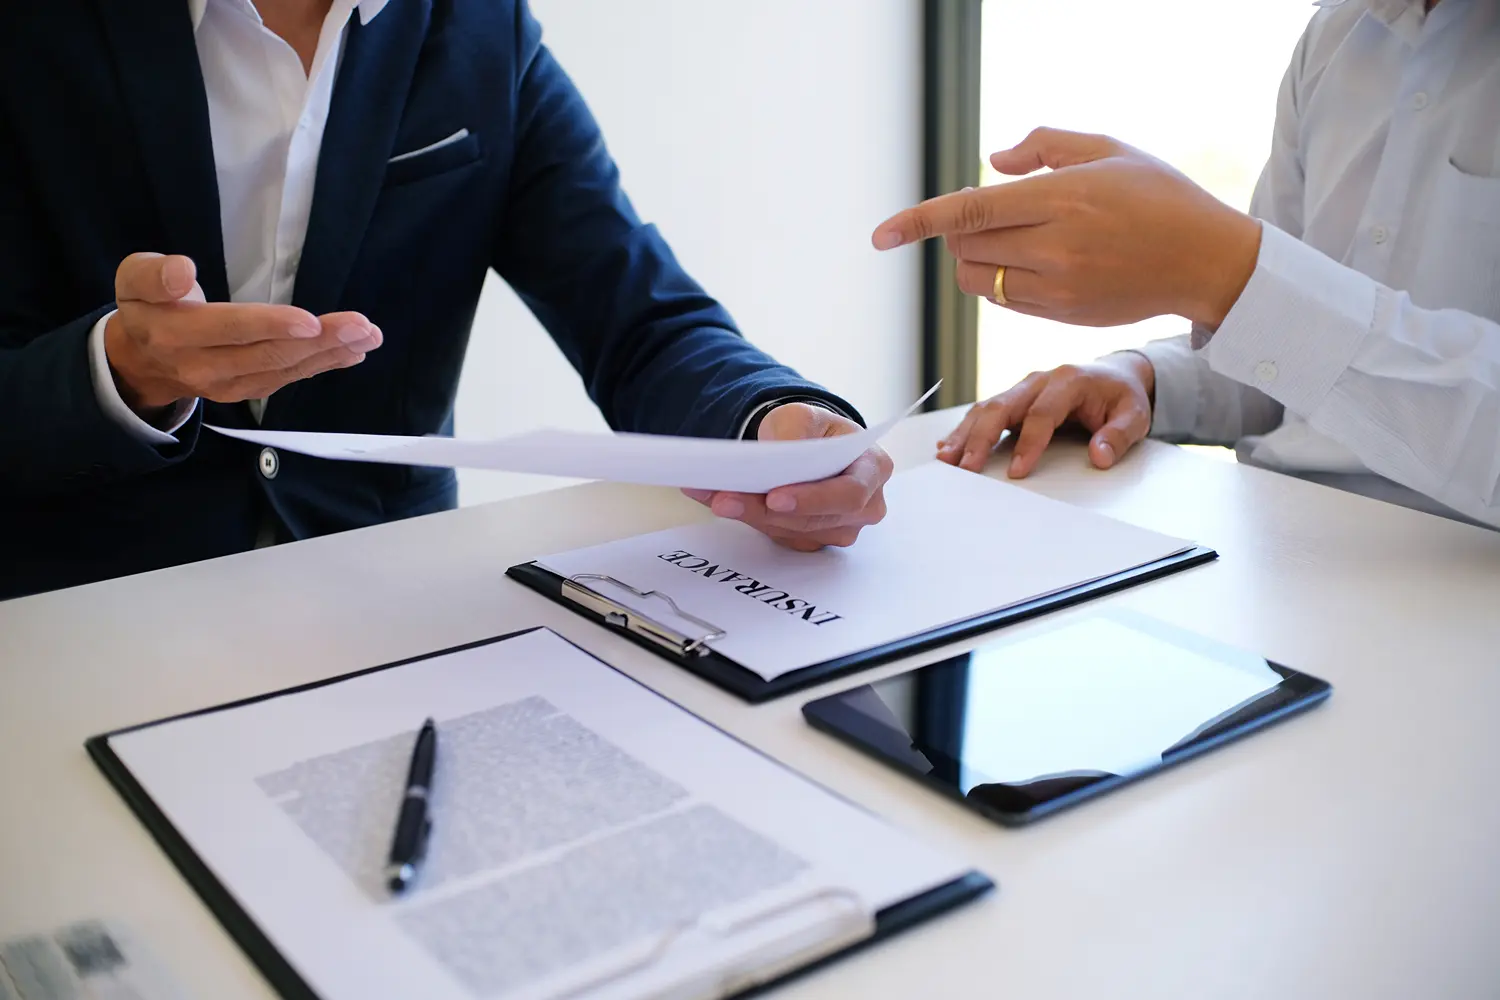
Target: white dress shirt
[[1365, 350]]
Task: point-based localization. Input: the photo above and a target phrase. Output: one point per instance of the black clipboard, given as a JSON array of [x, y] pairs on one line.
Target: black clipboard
[[692, 653], [283, 977]]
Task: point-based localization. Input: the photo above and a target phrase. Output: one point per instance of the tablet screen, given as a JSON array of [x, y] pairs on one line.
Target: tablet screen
[[1021, 723]]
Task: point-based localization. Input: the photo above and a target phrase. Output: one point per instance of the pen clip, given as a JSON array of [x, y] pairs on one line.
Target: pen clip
[[620, 616]]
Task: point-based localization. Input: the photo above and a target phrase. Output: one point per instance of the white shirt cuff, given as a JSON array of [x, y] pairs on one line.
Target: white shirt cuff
[[1174, 409], [114, 407], [1296, 326]]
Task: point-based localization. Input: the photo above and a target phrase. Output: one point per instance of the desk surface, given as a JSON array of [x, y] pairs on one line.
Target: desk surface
[[1354, 852]]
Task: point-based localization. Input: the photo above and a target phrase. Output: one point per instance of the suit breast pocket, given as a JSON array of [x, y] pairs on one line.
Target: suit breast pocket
[[1459, 257], [439, 157]]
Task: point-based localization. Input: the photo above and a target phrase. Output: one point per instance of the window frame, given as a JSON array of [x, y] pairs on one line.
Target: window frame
[[951, 66]]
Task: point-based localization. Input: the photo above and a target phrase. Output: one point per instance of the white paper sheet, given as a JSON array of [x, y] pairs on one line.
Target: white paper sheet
[[953, 545], [650, 459], [575, 815]]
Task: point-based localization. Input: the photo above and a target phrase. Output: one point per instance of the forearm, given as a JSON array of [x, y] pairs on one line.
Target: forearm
[[55, 436], [1414, 393]]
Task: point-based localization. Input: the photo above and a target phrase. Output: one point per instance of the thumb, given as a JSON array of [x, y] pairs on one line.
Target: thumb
[[1118, 435], [1053, 148], [154, 277]]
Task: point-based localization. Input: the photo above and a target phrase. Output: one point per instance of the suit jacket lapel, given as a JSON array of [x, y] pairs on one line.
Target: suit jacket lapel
[[369, 96], [157, 63]]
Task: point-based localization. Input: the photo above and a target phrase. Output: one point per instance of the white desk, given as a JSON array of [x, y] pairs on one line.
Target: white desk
[[1353, 852]]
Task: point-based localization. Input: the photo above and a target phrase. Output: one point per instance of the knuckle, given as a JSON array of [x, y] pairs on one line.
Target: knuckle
[[973, 215], [842, 537]]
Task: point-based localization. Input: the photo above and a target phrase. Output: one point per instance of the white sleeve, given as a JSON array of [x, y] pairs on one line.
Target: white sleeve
[[1193, 402], [1414, 393], [114, 407]]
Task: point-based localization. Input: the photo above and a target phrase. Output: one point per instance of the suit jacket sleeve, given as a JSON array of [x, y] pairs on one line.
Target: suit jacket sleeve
[[656, 353], [55, 438]]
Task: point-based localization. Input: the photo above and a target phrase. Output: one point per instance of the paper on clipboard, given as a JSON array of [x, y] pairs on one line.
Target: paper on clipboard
[[647, 459]]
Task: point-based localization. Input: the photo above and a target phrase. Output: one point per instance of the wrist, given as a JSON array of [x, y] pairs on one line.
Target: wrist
[[1226, 259], [1140, 368], [151, 406]]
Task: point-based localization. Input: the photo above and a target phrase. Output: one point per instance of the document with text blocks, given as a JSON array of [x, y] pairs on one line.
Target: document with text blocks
[[589, 838], [957, 553]]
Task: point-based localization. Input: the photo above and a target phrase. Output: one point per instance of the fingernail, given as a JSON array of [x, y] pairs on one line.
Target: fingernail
[[362, 345], [781, 503], [1014, 469], [353, 334], [176, 276], [1106, 451], [728, 507], [376, 335], [887, 239], [306, 328], [699, 495]]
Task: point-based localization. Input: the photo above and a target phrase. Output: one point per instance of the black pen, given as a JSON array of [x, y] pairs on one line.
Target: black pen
[[412, 823]]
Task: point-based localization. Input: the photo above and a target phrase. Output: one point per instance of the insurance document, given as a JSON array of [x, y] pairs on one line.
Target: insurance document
[[650, 459], [953, 546], [589, 837]]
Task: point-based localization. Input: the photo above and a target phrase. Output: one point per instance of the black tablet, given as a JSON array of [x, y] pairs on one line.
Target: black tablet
[[1021, 728]]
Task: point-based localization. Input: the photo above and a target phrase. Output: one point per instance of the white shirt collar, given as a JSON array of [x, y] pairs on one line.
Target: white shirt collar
[[368, 9]]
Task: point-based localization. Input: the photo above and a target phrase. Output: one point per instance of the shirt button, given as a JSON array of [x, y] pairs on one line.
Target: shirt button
[[270, 463], [1419, 101], [1266, 371], [1380, 234]]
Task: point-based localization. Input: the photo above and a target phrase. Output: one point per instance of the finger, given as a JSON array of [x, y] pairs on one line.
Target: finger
[[751, 509], [272, 356], [261, 384], [993, 207], [843, 495], [1052, 407], [951, 447], [1021, 285], [701, 496], [971, 444], [154, 277], [1129, 423], [217, 324], [1017, 246], [994, 419], [837, 537], [1053, 148]]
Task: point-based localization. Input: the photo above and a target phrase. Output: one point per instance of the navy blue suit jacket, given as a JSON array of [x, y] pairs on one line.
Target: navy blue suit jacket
[[105, 150]]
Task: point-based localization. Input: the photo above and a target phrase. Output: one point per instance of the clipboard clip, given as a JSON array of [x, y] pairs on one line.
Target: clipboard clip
[[843, 921], [620, 616]]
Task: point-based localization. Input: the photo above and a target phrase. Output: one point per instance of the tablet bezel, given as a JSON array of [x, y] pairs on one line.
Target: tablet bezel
[[1003, 802]]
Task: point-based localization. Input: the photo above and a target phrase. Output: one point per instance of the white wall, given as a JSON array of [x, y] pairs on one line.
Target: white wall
[[766, 139]]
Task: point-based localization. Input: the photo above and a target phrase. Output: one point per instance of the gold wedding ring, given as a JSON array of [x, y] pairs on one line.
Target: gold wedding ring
[[1000, 285]]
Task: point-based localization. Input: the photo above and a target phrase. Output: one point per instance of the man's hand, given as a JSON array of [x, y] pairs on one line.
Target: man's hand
[[1111, 399], [808, 516], [165, 343], [1109, 236]]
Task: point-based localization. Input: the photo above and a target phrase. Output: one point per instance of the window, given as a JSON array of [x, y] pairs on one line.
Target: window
[[1189, 81]]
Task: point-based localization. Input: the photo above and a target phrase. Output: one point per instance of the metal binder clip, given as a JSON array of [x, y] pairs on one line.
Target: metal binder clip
[[620, 616]]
